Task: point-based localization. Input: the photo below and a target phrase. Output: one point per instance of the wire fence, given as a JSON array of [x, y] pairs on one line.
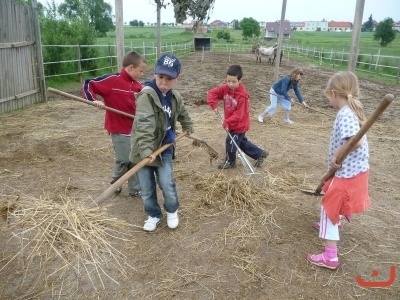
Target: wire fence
[[373, 64], [76, 60]]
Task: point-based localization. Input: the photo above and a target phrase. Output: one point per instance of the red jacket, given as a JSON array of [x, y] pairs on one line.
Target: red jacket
[[236, 106], [117, 91]]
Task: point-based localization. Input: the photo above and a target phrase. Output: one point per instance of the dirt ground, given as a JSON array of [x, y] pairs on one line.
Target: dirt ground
[[221, 250]]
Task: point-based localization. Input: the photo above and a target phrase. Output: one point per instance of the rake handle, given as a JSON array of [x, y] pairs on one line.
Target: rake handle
[[348, 147], [112, 188], [80, 99]]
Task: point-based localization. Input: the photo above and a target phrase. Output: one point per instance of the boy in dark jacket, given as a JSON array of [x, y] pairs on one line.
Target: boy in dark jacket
[[159, 107], [237, 117], [118, 91]]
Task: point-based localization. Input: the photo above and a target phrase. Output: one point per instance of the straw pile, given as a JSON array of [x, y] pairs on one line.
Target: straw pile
[[65, 238]]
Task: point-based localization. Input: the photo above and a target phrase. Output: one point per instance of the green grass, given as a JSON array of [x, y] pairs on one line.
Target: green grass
[[342, 40], [338, 41]]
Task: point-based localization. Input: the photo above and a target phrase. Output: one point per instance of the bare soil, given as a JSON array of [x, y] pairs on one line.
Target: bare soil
[[219, 251]]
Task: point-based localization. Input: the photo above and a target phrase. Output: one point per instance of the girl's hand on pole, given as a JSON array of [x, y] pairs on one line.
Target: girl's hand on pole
[[334, 165], [305, 104]]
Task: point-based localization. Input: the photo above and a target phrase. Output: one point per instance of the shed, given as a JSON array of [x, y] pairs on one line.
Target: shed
[[201, 43]]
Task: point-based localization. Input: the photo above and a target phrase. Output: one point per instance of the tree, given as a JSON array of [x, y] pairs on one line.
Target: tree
[[197, 9], [225, 35], [368, 25], [384, 32], [60, 30], [250, 28], [98, 12], [134, 23]]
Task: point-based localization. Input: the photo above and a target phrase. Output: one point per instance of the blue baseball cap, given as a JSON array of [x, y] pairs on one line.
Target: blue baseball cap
[[168, 64]]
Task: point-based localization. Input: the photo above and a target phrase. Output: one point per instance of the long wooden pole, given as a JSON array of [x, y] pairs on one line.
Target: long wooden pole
[[280, 37], [355, 36], [108, 192], [349, 147], [119, 29]]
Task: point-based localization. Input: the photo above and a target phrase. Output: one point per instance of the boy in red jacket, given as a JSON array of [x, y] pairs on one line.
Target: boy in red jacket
[[117, 91], [237, 117]]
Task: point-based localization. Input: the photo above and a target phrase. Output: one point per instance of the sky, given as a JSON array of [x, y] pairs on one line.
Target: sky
[[268, 10]]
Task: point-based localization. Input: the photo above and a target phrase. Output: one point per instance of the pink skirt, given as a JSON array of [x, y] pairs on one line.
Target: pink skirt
[[346, 196]]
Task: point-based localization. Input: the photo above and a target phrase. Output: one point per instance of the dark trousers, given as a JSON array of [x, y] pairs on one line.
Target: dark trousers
[[243, 143]]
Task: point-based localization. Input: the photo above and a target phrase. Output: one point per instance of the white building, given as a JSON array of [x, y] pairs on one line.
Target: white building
[[316, 26]]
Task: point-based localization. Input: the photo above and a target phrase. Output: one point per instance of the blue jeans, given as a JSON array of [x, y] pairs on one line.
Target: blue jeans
[[243, 143], [274, 97], [148, 176]]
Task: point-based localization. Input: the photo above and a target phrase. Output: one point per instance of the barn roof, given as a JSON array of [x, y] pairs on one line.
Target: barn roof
[[339, 24]]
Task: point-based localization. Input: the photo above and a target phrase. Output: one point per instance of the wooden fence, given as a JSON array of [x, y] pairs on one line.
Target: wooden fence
[[21, 65]]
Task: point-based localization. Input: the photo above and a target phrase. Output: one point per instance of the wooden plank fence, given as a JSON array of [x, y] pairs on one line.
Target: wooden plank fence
[[21, 71]]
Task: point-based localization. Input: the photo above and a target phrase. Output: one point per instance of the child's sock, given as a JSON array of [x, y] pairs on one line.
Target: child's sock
[[330, 252]]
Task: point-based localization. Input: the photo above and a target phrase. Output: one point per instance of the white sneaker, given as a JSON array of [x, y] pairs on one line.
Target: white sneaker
[[288, 121], [261, 118], [151, 223], [172, 220]]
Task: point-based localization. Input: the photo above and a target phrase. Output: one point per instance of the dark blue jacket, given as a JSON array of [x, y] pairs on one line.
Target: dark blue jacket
[[284, 85]]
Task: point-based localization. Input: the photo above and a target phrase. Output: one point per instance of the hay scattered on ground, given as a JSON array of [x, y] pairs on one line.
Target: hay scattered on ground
[[65, 238]]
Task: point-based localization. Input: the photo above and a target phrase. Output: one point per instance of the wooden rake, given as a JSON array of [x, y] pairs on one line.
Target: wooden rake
[[349, 147], [196, 140], [313, 109]]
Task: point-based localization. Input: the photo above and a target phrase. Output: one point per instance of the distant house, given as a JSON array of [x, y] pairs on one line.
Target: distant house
[[298, 26], [263, 25], [218, 24], [339, 26], [396, 26], [233, 24], [316, 26], [189, 27], [272, 29]]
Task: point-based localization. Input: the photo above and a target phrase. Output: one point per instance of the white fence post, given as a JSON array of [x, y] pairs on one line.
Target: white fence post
[[377, 59]]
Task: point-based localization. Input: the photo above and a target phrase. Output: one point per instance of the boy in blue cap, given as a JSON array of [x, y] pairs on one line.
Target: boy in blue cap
[[158, 107]]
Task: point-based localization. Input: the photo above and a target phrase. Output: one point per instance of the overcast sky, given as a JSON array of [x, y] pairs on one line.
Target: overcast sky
[[268, 10]]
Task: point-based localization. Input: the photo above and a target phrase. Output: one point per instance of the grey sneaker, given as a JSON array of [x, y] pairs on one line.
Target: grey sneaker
[[118, 191], [288, 121], [135, 194], [227, 165], [260, 160], [261, 118]]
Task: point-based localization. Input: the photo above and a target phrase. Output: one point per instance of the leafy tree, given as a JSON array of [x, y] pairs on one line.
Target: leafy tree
[[197, 9], [225, 35], [98, 12], [250, 27], [134, 23], [141, 24], [60, 30], [384, 32], [368, 25]]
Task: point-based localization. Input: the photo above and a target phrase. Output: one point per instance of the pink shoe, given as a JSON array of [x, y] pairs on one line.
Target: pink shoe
[[316, 225], [319, 260]]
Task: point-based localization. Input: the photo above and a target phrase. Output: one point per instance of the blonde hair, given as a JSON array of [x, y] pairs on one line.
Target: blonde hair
[[345, 85]]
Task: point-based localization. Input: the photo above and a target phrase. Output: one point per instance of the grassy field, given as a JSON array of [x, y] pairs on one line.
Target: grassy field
[[327, 40]]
